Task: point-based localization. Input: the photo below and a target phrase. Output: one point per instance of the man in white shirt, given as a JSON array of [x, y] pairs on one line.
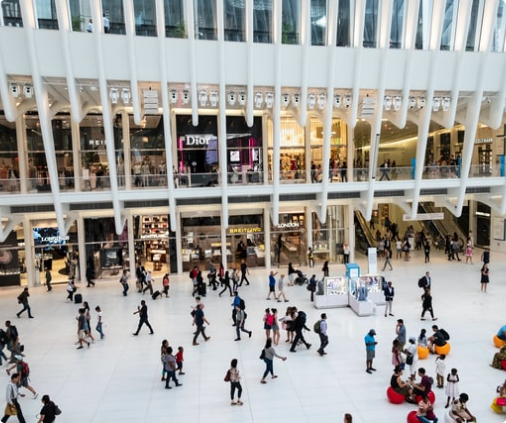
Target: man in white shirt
[[11, 396], [106, 24]]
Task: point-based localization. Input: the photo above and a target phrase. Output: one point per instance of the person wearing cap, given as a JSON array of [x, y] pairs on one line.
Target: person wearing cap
[[411, 352], [370, 349], [400, 330]]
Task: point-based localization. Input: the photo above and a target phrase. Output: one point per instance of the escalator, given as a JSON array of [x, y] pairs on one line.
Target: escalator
[[438, 229], [364, 238]]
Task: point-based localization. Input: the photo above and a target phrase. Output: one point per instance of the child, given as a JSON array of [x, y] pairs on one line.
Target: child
[[452, 387], [422, 339], [440, 370], [99, 322], [179, 360]]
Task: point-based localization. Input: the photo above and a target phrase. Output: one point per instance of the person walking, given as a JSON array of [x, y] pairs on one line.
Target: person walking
[[90, 274], [272, 285], [312, 287], [389, 292], [225, 282], [198, 320], [387, 260], [469, 253], [324, 339], [82, 328], [99, 327], [400, 331], [236, 303], [142, 311], [240, 317], [427, 304], [299, 325], [23, 369], [370, 349], [485, 256], [325, 268], [13, 408], [484, 278], [48, 279], [426, 251], [87, 314], [48, 412], [124, 283], [244, 272], [23, 299], [269, 353], [71, 288], [166, 282], [149, 283], [235, 383], [281, 289], [310, 257], [170, 367]]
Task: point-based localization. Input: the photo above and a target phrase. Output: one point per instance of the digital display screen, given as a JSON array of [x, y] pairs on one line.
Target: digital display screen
[[235, 156]]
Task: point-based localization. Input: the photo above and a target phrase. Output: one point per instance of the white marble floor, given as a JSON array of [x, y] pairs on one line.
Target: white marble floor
[[118, 379]]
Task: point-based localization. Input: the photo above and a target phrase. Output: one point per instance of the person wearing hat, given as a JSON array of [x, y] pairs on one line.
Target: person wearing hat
[[411, 352], [370, 349]]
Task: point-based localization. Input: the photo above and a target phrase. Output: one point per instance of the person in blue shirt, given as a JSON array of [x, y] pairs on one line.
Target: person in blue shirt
[[312, 286], [370, 349], [272, 285], [235, 304], [502, 333]]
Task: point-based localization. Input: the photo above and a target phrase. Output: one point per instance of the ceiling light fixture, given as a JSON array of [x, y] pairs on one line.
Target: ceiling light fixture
[[173, 96], [231, 98], [445, 103], [347, 101], [412, 102], [14, 89], [242, 98], [285, 99], [421, 102], [296, 99], [436, 103], [311, 101], [186, 96]]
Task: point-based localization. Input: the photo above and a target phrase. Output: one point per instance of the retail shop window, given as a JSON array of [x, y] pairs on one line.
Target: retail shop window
[[245, 236], [288, 239], [329, 237], [155, 246], [201, 242], [12, 259], [11, 13], [9, 159]]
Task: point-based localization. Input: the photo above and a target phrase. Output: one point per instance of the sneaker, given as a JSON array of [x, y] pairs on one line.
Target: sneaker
[[308, 346], [168, 387], [237, 339], [233, 403], [368, 371], [208, 338], [79, 348], [250, 332], [435, 318], [239, 402], [196, 343], [263, 381], [179, 384], [373, 369]]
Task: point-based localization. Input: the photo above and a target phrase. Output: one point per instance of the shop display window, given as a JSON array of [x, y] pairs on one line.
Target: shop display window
[[11, 265], [94, 163], [288, 239], [245, 236], [329, 238], [9, 159], [200, 235], [336, 285]]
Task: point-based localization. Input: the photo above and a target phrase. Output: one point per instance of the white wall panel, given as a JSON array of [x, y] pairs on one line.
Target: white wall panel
[[13, 44], [447, 62], [146, 51], [496, 66], [117, 64], [291, 70], [395, 70], [178, 59], [318, 67], [263, 64], [207, 64], [83, 55], [421, 70], [344, 74], [369, 72], [471, 67], [236, 63]]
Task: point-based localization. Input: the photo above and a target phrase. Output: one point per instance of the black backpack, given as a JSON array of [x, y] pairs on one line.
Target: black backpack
[[422, 282], [242, 304], [3, 337], [445, 334], [302, 318]]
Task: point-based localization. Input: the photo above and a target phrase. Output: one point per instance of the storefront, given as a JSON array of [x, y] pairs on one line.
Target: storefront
[[198, 151], [329, 237], [155, 243], [245, 235], [12, 264], [288, 239]]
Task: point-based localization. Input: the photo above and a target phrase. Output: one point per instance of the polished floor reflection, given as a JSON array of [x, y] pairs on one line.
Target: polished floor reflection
[[118, 379]]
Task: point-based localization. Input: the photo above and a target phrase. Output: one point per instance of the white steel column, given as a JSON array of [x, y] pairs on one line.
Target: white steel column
[[350, 228], [276, 112], [106, 113], [81, 244], [160, 22], [131, 244], [76, 155], [249, 63], [179, 242], [267, 237], [350, 153], [127, 148], [22, 156], [305, 40], [328, 112], [193, 65], [128, 11], [31, 278], [358, 38], [308, 217], [8, 103], [42, 98], [65, 26], [222, 130]]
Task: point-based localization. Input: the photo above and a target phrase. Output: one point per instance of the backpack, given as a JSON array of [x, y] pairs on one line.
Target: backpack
[[269, 320], [3, 337], [445, 334], [25, 369], [191, 274], [422, 282], [242, 304], [302, 317], [316, 326]]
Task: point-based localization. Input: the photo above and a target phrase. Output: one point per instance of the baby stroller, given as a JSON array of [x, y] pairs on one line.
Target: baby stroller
[[301, 278]]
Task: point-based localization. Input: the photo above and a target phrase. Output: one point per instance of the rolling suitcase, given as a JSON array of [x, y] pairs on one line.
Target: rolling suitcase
[[78, 298], [155, 295], [202, 289]]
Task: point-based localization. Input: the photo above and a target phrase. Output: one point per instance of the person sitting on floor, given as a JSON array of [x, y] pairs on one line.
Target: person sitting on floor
[[459, 411], [498, 357]]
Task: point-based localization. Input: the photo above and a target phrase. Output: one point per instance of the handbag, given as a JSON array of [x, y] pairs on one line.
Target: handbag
[[10, 410], [57, 410], [262, 354], [501, 401], [227, 376], [409, 359]]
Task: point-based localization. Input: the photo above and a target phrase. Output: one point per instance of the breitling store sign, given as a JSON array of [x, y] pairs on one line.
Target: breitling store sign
[[244, 230]]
